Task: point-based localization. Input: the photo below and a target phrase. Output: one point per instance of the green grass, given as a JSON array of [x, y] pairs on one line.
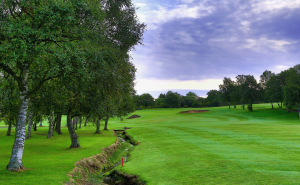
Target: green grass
[[50, 160], [222, 146]]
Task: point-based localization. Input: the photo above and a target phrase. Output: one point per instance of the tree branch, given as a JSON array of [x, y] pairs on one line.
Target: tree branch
[[7, 69], [41, 83]]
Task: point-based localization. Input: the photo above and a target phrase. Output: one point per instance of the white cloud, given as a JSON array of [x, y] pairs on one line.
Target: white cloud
[[187, 1], [140, 4], [260, 6], [146, 85], [154, 18], [262, 44]]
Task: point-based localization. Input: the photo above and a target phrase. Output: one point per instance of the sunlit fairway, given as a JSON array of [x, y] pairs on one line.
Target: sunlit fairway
[[222, 146]]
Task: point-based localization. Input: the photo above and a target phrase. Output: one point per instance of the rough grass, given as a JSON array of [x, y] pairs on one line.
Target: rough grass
[[50, 160], [222, 146]]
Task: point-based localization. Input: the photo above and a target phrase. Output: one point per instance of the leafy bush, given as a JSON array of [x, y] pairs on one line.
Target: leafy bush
[[185, 106]]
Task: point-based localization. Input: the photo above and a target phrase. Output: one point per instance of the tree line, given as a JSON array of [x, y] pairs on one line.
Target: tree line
[[282, 89], [175, 100], [65, 57]]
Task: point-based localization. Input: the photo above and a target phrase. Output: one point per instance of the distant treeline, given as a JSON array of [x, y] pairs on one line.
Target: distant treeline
[[282, 89]]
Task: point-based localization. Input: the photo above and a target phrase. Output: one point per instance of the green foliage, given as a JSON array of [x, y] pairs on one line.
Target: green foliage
[[251, 90], [213, 98], [195, 104], [172, 100], [226, 89]]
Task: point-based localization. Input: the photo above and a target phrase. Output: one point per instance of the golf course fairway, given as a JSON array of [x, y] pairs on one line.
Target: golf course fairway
[[221, 146]]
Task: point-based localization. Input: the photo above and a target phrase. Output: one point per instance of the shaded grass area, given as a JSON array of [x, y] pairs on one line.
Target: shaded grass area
[[50, 160], [222, 146]]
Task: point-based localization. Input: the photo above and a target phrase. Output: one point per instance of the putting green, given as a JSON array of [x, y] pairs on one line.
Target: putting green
[[221, 146]]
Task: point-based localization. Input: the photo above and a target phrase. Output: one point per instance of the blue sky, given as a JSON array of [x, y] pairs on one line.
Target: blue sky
[[191, 45]]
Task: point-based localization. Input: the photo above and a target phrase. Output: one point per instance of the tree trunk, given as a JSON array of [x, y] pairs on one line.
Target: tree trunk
[[229, 104], [9, 129], [29, 126], [58, 128], [41, 124], [243, 106], [235, 105], [34, 126], [50, 131], [80, 120], [281, 105], [73, 135], [298, 111], [15, 162], [76, 122], [86, 119], [272, 105], [106, 122], [98, 126]]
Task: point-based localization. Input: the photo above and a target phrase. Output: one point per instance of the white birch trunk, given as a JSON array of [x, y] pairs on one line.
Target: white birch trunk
[[15, 162], [98, 126], [29, 126]]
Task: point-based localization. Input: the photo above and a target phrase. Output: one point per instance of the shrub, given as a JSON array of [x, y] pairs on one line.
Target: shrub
[[185, 106]]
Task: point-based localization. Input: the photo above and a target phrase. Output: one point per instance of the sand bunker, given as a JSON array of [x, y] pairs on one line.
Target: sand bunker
[[133, 116], [194, 111]]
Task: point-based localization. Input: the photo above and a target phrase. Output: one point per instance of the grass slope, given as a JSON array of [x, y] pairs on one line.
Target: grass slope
[[222, 146], [50, 160]]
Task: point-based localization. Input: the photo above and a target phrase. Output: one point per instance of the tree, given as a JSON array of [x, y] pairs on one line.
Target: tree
[[240, 80], [226, 89], [265, 77], [213, 98], [160, 102], [235, 95], [251, 91], [292, 96], [172, 100], [162, 95], [292, 90], [275, 87], [146, 100], [43, 40], [8, 102]]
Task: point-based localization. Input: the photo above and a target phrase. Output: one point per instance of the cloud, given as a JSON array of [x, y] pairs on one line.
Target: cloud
[[267, 6], [163, 85], [140, 4], [163, 14], [262, 44], [192, 41]]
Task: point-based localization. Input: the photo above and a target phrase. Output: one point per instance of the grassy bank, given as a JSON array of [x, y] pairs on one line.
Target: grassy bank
[[222, 146]]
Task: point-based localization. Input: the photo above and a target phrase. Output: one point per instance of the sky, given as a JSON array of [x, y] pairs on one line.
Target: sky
[[191, 45]]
